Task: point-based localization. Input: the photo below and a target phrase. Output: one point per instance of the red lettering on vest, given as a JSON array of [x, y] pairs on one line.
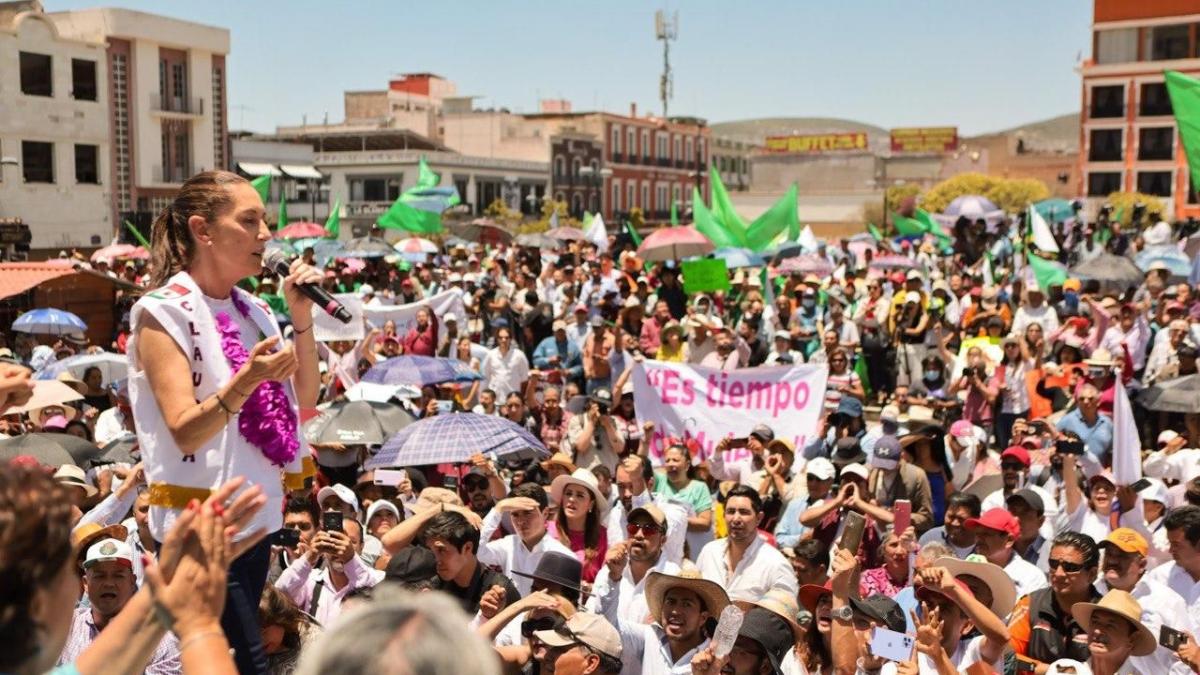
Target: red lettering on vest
[[184, 304]]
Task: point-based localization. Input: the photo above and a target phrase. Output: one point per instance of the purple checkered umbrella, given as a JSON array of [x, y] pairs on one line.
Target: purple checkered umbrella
[[453, 438], [420, 370], [807, 264]]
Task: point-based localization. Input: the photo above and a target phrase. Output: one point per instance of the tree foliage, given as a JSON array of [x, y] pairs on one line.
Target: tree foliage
[[1123, 203], [896, 194], [498, 211], [1010, 194]]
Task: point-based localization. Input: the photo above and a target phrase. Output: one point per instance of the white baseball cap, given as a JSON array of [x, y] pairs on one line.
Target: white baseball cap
[[821, 468], [450, 317], [1167, 436], [108, 550], [1155, 492], [340, 491], [855, 468]]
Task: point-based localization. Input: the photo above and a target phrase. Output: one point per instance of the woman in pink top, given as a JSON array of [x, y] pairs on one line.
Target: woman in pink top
[[422, 339], [580, 520]]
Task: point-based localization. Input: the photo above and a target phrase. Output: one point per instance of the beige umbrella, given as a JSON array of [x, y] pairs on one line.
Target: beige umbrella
[[47, 392]]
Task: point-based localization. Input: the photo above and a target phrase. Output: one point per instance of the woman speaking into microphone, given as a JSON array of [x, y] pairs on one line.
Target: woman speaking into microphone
[[215, 391]]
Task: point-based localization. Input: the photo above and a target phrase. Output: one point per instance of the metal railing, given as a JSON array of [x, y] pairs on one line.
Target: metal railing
[[174, 104], [170, 174]]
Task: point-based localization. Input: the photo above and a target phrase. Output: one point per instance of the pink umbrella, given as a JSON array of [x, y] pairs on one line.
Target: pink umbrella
[[674, 243], [114, 252], [566, 234], [807, 264], [355, 264], [301, 230]]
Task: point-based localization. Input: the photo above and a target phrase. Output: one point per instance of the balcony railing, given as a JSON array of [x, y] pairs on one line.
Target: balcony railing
[[173, 104], [170, 174], [1106, 110], [618, 158]]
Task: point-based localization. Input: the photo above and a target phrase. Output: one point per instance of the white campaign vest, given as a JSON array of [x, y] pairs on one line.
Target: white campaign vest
[[172, 476]]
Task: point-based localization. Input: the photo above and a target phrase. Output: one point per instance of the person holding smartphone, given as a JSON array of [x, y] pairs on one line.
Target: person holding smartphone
[[328, 568]]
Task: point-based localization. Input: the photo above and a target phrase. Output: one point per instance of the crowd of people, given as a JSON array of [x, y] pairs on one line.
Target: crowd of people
[[963, 506]]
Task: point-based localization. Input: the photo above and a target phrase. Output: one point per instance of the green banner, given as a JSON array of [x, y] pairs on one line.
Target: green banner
[[704, 275]]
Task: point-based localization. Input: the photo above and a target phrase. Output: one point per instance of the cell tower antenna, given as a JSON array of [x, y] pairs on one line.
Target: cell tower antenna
[[666, 28]]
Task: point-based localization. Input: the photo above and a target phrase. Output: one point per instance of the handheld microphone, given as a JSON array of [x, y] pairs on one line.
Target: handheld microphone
[[277, 262]]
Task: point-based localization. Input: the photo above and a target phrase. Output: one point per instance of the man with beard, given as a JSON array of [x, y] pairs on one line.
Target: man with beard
[[1182, 574], [109, 583], [629, 563], [727, 353], [526, 508], [1043, 628], [635, 476], [995, 534], [1014, 470], [743, 563], [679, 608], [1124, 568]]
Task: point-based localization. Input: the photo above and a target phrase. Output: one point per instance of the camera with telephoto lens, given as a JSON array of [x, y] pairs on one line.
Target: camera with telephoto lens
[[602, 408]]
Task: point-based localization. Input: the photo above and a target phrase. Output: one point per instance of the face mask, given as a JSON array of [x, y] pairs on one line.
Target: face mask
[[808, 303], [932, 375]]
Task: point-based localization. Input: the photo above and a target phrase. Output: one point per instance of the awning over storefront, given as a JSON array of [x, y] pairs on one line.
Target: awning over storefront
[[301, 171], [16, 278], [258, 169]]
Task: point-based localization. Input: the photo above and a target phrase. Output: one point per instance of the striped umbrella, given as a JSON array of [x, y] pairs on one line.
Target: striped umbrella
[[420, 371], [454, 438], [49, 321], [807, 264]]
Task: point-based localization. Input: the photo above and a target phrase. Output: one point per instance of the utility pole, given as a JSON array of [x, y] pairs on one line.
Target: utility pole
[[666, 28]]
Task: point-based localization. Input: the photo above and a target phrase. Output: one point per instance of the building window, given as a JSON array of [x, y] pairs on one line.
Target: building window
[[703, 156], [646, 145], [646, 196], [616, 140], [37, 161], [560, 168], [87, 164], [1157, 183], [1153, 99], [1103, 183], [1116, 46], [37, 77], [663, 143], [688, 151], [631, 193], [1156, 143], [1108, 101], [575, 163], [83, 80], [631, 143], [660, 197], [375, 189], [1104, 145], [1163, 43], [616, 195]]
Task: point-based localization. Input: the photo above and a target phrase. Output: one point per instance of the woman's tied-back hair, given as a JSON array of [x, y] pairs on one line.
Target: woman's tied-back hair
[[35, 543], [171, 244]]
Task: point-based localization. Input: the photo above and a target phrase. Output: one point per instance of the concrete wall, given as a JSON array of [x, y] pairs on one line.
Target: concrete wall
[[499, 135], [62, 214], [359, 105], [776, 173]]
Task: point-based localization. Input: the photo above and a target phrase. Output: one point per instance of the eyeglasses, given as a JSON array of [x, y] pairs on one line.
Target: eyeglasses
[[545, 623], [647, 529], [1068, 567], [475, 484]]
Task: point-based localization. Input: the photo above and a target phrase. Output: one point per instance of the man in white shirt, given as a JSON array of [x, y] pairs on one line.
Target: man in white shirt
[[505, 368], [519, 552], [996, 532], [743, 563], [1172, 460], [1124, 568], [630, 561], [1182, 574], [634, 476]]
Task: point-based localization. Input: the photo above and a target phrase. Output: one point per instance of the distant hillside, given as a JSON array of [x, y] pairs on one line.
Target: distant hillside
[[1056, 133]]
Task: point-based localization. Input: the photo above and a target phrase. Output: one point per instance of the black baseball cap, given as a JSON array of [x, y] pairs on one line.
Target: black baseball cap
[[880, 608], [411, 565], [771, 632]]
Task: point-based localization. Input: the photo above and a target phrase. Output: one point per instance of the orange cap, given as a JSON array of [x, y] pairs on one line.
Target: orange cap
[[1128, 540]]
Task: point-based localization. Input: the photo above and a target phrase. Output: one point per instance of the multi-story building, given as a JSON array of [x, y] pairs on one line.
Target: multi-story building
[[1128, 136], [731, 157], [55, 171], [294, 176], [577, 173]]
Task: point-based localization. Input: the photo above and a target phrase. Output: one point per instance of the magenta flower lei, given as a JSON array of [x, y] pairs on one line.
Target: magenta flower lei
[[267, 420]]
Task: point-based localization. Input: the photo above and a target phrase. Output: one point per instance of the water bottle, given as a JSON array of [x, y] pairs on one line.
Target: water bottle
[[727, 630]]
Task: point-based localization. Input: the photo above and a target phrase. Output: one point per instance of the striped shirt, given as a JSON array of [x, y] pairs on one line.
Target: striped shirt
[[84, 631]]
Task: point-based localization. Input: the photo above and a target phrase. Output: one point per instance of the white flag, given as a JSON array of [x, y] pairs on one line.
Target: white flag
[[1042, 237], [807, 240], [597, 234], [1127, 445], [554, 219]]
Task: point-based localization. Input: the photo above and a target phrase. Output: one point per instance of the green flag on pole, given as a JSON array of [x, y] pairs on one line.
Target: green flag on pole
[[137, 235], [932, 226], [781, 217], [875, 233], [860, 369], [633, 233], [1047, 272], [1185, 101], [723, 211], [426, 178], [908, 227], [706, 223], [283, 217], [333, 224], [263, 185]]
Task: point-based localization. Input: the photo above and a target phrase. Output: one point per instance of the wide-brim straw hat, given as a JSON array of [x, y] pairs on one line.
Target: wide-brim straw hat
[[585, 479], [1004, 592], [562, 459], [1125, 606], [711, 594]]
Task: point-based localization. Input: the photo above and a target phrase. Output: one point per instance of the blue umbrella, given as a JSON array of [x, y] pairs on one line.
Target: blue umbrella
[[419, 370], [739, 257], [326, 250], [453, 438], [366, 247], [112, 367], [1176, 261], [49, 321]]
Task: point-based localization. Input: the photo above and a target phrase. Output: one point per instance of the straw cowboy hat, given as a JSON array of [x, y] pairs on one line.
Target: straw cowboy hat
[[1102, 358], [585, 479], [562, 459], [44, 413], [711, 593], [1123, 605], [780, 602], [1004, 592]]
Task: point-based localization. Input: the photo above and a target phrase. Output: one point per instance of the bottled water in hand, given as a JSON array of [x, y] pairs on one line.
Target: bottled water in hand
[[727, 630]]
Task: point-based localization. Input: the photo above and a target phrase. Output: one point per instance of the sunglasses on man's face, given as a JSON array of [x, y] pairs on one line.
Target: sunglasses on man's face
[[1067, 566], [476, 484], [545, 623], [647, 529]]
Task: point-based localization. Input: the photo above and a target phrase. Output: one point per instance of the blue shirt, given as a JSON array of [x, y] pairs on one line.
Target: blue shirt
[[789, 531], [1097, 439], [569, 356]]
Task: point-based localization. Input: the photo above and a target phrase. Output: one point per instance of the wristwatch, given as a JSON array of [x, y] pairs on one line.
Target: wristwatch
[[843, 613]]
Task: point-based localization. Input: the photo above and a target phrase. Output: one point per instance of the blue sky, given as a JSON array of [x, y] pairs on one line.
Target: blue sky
[[982, 66]]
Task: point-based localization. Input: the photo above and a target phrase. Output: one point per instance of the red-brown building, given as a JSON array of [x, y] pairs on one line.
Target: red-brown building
[[1128, 137]]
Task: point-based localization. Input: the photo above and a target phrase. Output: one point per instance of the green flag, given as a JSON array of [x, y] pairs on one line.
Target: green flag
[[723, 211], [932, 226], [333, 224], [283, 218], [1047, 272], [779, 218], [426, 178], [706, 223], [137, 235], [263, 185], [860, 369], [401, 216], [674, 214], [875, 233], [908, 227], [587, 220], [1185, 101], [633, 233]]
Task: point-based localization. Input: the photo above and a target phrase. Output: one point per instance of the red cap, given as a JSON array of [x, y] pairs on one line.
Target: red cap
[[999, 520], [976, 291], [811, 593], [897, 277], [1078, 322], [1016, 452]]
